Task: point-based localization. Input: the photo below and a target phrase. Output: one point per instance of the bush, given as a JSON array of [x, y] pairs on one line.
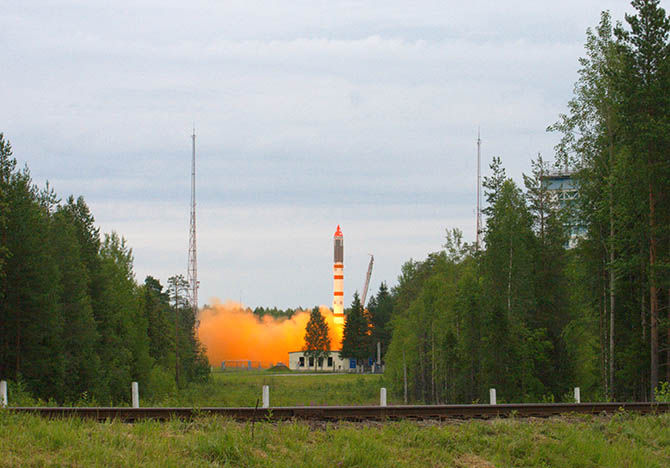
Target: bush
[[161, 384], [662, 392], [18, 394]]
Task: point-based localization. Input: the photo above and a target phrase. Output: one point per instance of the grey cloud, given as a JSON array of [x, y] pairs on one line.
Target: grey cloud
[[308, 113]]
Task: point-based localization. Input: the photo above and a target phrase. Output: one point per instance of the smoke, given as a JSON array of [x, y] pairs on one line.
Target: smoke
[[230, 331]]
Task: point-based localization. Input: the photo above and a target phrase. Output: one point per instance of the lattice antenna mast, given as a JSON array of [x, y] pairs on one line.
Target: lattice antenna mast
[[192, 249], [479, 184]]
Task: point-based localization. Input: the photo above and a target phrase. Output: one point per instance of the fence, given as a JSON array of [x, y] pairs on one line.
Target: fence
[[245, 365]]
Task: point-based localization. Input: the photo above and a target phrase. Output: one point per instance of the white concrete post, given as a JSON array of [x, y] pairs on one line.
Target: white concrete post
[[577, 396], [492, 396], [382, 397], [136, 394], [3, 393], [266, 396]]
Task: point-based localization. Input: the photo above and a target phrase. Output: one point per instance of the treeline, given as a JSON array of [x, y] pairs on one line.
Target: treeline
[[366, 327], [469, 319], [74, 324], [616, 136], [274, 312], [523, 312]]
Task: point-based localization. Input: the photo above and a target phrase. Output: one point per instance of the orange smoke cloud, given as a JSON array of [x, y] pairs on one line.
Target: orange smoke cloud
[[229, 331]]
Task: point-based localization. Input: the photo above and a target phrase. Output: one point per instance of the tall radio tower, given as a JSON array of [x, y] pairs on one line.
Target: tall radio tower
[[192, 276], [479, 184]]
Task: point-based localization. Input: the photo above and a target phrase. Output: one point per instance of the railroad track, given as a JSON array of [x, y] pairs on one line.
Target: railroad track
[[348, 413]]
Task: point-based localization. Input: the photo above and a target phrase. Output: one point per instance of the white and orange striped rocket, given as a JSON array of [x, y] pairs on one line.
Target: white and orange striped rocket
[[338, 278]]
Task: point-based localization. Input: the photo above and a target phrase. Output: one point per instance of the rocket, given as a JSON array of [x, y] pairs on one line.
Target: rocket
[[338, 278]]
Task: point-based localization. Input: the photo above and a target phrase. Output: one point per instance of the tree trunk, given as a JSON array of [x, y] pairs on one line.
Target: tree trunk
[[509, 282], [18, 349], [643, 304], [18, 338], [667, 344], [432, 358], [603, 336], [176, 335], [611, 261], [653, 295], [404, 371]]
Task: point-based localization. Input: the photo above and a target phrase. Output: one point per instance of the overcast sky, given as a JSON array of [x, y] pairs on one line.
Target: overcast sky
[[308, 114]]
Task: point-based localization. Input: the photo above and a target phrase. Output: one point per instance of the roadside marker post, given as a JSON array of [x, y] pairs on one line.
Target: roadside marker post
[[134, 387], [266, 396]]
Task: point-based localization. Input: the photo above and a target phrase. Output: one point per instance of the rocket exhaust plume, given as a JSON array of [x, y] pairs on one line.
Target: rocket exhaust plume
[[230, 331]]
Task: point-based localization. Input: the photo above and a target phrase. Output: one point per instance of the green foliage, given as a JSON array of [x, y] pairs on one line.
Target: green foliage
[[275, 312], [74, 324], [356, 337], [623, 440], [380, 311], [526, 314], [317, 342], [160, 384], [662, 392], [615, 139]]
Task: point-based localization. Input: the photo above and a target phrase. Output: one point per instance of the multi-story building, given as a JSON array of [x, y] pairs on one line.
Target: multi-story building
[[565, 191]]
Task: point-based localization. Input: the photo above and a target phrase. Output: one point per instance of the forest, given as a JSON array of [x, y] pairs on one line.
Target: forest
[[75, 326], [529, 313]]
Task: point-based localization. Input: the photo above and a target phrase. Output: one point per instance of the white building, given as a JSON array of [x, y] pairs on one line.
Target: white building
[[333, 362], [564, 190]]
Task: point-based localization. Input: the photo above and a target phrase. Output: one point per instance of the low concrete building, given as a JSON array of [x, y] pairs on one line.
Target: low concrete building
[[333, 362]]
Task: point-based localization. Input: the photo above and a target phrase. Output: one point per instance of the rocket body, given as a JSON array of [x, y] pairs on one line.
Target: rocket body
[[338, 277]]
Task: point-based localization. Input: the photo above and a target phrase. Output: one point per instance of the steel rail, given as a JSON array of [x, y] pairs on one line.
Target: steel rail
[[347, 413]]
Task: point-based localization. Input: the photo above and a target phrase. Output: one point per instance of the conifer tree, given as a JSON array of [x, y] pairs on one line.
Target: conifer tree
[[79, 335], [644, 86], [317, 341], [355, 338], [156, 307], [31, 347], [380, 308]]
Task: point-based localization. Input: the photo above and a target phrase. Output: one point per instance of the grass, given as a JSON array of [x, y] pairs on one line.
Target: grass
[[623, 440], [583, 441], [243, 388], [294, 389]]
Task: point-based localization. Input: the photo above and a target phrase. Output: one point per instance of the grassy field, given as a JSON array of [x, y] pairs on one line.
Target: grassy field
[[622, 440], [244, 388], [585, 441]]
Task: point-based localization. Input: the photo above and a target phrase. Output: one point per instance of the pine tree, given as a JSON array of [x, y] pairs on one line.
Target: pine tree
[[79, 335], [644, 85], [507, 270], [7, 166], [317, 342], [156, 307], [592, 143], [30, 347], [123, 349], [549, 279], [355, 338]]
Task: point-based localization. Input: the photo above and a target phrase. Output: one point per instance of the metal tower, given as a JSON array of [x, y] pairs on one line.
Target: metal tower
[[367, 280], [192, 276], [479, 184]]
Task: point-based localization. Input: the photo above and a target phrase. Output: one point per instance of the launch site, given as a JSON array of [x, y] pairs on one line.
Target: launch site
[[345, 233]]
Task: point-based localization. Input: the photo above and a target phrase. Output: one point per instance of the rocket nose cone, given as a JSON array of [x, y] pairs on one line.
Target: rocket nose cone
[[338, 232]]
